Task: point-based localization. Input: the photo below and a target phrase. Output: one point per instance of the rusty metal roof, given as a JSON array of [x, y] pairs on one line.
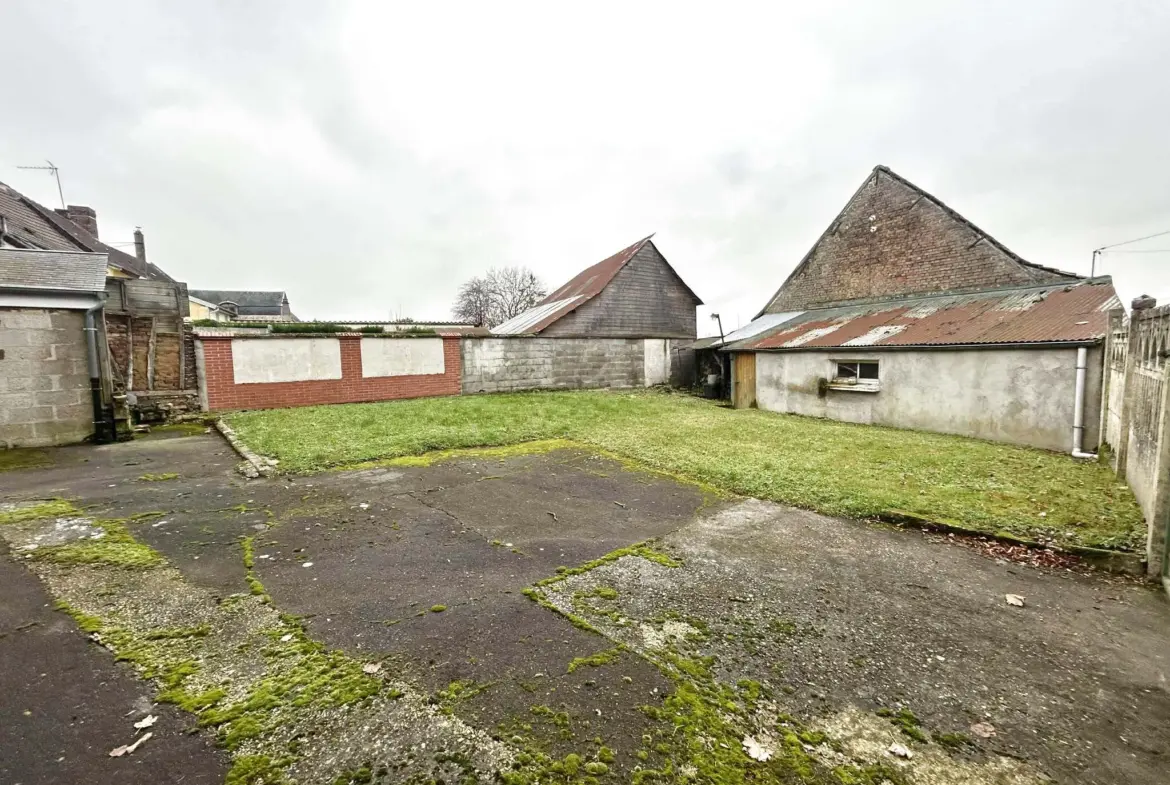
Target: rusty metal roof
[[1057, 313]]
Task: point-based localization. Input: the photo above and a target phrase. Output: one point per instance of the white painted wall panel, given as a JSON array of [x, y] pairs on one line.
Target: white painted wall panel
[[656, 361], [402, 356], [260, 360]]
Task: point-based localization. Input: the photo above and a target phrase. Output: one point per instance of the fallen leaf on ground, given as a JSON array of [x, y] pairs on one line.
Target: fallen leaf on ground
[[900, 751], [286, 638], [146, 722], [1014, 599], [371, 667], [984, 730], [755, 750], [126, 749]]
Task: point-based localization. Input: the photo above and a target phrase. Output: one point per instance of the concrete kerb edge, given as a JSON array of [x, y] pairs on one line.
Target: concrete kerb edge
[[1118, 562], [253, 466]]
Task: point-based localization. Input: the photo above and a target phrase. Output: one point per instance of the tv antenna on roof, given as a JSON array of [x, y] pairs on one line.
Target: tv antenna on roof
[[53, 170]]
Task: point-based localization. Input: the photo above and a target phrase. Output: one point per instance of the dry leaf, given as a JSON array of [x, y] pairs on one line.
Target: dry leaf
[[126, 749], [984, 730], [1014, 599], [900, 751], [371, 667], [146, 722]]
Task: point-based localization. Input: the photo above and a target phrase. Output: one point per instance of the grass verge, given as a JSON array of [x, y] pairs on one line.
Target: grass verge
[[832, 467]]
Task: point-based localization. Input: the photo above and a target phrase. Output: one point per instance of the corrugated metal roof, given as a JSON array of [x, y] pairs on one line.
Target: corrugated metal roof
[[543, 315], [61, 271], [1064, 313]]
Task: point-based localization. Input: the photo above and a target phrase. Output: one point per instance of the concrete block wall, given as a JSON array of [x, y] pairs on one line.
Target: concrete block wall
[[507, 364], [219, 391], [44, 384]]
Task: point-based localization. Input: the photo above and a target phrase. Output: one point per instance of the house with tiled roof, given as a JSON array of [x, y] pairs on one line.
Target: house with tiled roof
[[905, 313]]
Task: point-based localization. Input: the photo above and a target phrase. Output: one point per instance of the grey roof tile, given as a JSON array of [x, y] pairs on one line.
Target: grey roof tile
[[65, 271]]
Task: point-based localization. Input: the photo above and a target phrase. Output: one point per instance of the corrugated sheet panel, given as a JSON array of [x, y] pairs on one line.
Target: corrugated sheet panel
[[541, 316], [1060, 313]]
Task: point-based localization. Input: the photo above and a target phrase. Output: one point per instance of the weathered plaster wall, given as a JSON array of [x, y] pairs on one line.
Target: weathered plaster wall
[[44, 384], [525, 363], [413, 357], [1021, 396], [221, 357], [288, 360]]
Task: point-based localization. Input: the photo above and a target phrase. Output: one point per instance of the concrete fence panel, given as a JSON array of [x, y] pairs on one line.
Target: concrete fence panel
[[288, 360], [414, 357]]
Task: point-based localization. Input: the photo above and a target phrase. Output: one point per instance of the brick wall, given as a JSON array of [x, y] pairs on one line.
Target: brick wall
[[219, 390], [44, 384], [892, 239]]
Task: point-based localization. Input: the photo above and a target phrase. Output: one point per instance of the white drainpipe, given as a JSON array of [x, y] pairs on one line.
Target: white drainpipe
[[1079, 407]]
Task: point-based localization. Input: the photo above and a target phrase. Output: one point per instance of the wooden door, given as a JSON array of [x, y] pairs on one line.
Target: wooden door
[[743, 391]]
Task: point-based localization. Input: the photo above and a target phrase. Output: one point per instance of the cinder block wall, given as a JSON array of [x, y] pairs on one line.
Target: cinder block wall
[[524, 363], [218, 389], [44, 384]]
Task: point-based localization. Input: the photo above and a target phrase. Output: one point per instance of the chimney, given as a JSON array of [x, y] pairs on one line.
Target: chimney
[[83, 216], [139, 244]]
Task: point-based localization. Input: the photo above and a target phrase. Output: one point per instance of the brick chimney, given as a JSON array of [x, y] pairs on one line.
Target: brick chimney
[[140, 244], [83, 216]]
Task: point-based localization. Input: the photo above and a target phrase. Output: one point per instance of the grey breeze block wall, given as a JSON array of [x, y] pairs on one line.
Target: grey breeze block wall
[[526, 363], [646, 299], [1021, 396], [44, 384]]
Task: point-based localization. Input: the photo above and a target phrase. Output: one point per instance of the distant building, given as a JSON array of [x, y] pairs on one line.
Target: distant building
[[904, 313], [240, 306], [633, 294]]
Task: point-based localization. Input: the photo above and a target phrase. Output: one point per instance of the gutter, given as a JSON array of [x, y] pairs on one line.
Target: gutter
[[921, 347]]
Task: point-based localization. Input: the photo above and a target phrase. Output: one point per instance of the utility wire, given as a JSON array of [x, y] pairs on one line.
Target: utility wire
[[1152, 250], [1138, 240]]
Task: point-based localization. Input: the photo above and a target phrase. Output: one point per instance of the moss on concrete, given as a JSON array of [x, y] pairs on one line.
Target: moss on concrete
[[54, 508], [20, 458], [164, 477], [596, 660]]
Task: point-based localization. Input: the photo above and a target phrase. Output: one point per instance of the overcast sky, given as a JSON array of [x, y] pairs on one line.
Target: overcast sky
[[368, 157]]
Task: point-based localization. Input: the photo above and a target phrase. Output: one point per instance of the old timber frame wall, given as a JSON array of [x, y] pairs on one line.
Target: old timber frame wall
[[279, 370], [1136, 417], [151, 350]]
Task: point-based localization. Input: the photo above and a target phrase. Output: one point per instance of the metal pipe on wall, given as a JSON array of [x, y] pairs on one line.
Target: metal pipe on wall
[[1078, 432]]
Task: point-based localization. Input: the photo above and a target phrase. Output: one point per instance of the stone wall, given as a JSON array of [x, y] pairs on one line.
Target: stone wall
[[508, 364], [44, 384]]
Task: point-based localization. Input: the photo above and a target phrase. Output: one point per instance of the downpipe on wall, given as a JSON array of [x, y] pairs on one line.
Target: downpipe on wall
[[1079, 406], [103, 423]]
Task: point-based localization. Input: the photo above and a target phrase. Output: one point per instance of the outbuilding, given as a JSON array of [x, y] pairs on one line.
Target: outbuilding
[[906, 314]]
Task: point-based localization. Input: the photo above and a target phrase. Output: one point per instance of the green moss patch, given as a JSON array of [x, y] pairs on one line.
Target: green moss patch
[[56, 508], [20, 458], [164, 477]]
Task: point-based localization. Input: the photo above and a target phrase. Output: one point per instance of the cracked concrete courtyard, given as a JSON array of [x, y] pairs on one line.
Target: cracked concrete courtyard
[[540, 616]]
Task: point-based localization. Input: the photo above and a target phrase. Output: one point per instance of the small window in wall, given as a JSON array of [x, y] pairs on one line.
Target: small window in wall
[[859, 375]]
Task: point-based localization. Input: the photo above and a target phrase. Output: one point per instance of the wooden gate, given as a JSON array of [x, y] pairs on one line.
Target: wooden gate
[[743, 391]]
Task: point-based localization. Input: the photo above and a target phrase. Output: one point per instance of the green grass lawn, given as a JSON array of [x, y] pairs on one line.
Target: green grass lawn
[[834, 468]]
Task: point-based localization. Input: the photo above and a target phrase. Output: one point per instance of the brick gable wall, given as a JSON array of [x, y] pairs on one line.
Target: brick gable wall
[[893, 239], [222, 393]]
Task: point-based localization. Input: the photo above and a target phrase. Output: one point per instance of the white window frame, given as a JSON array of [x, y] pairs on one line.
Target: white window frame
[[854, 383]]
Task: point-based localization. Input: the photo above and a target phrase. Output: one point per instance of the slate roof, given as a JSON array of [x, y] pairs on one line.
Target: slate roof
[[29, 222], [583, 287], [57, 271], [244, 299], [1056, 313]]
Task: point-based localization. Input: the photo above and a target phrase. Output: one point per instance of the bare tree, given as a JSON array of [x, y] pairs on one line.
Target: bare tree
[[495, 298]]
